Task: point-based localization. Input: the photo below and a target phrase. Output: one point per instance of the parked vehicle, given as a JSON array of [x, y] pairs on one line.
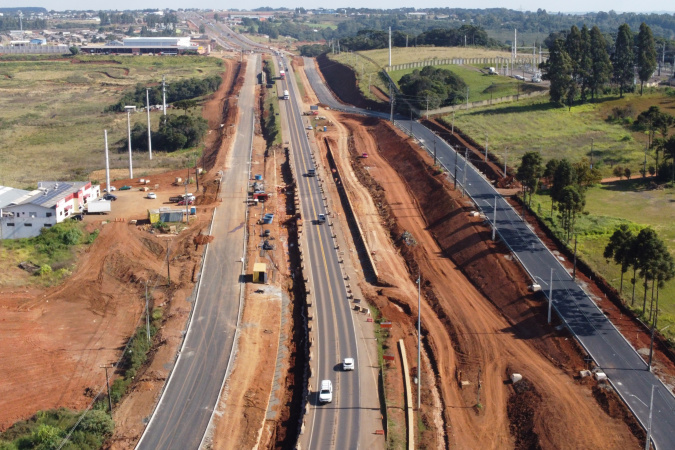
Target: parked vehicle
[[326, 392], [185, 202], [125, 188], [98, 207], [109, 197], [179, 198], [152, 195]]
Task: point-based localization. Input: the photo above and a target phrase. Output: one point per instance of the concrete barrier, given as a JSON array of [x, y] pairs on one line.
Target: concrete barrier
[[408, 396]]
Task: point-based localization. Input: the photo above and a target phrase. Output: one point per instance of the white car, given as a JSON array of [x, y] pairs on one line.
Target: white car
[[326, 392], [309, 127], [110, 189], [348, 364], [152, 195]]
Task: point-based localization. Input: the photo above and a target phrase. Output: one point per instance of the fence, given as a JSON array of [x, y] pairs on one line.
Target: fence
[[34, 49], [521, 60]]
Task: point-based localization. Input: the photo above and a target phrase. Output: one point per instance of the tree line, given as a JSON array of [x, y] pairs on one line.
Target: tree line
[[175, 91], [648, 257], [567, 182], [583, 63], [175, 132], [433, 87]]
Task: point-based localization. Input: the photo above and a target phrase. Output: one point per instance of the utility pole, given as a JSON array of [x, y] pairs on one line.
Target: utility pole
[[411, 122], [168, 262], [434, 149], [107, 161], [197, 171], [466, 157], [427, 107], [649, 428], [456, 154], [147, 107], [486, 147], [392, 94], [147, 312], [506, 154], [131, 170], [419, 338], [494, 220], [592, 141], [644, 166], [467, 98], [651, 346], [389, 46], [453, 122], [107, 384], [574, 270], [164, 94], [550, 296]]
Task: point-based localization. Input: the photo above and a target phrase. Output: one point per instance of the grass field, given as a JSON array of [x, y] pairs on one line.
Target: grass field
[[51, 112], [481, 86], [609, 205], [414, 54], [556, 132]]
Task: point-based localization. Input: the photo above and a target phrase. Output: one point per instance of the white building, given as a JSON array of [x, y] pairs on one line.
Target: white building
[[157, 42], [26, 213]]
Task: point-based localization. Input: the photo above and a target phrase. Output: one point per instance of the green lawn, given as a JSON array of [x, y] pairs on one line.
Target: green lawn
[[537, 125], [51, 112], [609, 205], [481, 86]]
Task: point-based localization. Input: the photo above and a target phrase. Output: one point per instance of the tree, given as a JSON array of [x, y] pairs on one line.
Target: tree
[[185, 105], [627, 173], [202, 29], [646, 57], [624, 59], [216, 17], [530, 171], [558, 70], [619, 249], [571, 203], [648, 250], [586, 176], [585, 69], [564, 176], [618, 172], [549, 171], [74, 50], [601, 66]]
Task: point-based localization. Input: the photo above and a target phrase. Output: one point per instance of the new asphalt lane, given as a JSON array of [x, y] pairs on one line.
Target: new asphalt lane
[[336, 424], [190, 396], [625, 368]]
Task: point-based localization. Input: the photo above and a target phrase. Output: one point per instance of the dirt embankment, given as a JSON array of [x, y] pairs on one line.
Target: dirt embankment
[[343, 83], [494, 327]]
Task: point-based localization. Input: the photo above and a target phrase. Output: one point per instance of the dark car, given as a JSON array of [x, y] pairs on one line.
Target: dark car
[[110, 197], [267, 246]]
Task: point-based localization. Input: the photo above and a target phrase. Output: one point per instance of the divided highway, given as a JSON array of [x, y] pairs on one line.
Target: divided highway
[[336, 424], [626, 369], [192, 391]]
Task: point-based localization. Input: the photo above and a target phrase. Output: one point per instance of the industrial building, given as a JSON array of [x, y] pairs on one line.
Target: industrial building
[[147, 46], [24, 213]]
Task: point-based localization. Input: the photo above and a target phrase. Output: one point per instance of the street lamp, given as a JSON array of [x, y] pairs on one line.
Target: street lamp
[[128, 109]]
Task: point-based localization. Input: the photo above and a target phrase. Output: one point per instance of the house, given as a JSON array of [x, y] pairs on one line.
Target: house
[[23, 214]]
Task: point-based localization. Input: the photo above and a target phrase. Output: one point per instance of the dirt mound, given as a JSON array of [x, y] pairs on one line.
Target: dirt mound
[[487, 336], [343, 83], [202, 239], [521, 409]]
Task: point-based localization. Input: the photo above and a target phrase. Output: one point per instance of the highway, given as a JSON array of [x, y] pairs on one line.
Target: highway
[[626, 369], [184, 411], [336, 424]]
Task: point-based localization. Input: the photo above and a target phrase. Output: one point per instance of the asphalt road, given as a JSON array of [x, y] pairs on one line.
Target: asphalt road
[[336, 424], [187, 403], [625, 368]]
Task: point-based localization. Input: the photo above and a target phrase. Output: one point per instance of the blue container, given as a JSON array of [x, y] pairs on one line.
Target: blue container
[[258, 177], [325, 128], [193, 210]]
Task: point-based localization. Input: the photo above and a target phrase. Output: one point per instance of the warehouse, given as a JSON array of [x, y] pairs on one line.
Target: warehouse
[[25, 213], [146, 46]]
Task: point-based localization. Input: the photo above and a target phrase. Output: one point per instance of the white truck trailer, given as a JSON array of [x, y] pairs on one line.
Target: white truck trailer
[[98, 207]]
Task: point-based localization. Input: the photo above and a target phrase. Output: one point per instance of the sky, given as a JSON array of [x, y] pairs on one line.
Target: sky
[[524, 5]]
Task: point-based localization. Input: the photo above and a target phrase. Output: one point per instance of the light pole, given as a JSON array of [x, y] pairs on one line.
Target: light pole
[[550, 296], [419, 338], [147, 107], [649, 427], [107, 384], [131, 170]]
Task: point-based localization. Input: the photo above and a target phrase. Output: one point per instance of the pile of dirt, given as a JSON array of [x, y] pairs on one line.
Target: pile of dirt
[[486, 336], [343, 83], [521, 409]]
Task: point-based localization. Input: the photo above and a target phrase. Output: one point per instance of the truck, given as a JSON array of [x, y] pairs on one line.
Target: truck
[[492, 71], [282, 74], [180, 198], [286, 95], [99, 207]]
